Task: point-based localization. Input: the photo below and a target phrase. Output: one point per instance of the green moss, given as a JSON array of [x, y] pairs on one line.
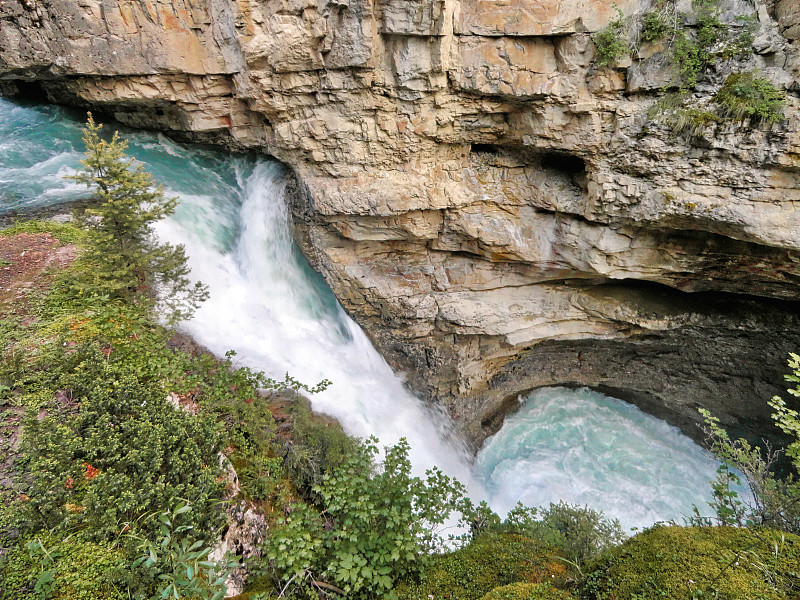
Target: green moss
[[68, 569], [698, 562], [488, 562], [528, 591], [747, 96], [66, 233]]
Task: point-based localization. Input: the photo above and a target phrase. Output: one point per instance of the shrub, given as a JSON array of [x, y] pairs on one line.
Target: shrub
[[232, 394], [528, 591], [491, 560], [62, 569], [177, 563], [693, 53], [611, 43], [373, 528], [654, 27], [123, 452], [576, 533], [687, 563], [579, 533], [775, 501], [747, 96], [316, 449]]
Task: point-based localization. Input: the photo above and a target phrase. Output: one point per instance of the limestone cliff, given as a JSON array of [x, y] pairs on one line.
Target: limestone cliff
[[497, 210]]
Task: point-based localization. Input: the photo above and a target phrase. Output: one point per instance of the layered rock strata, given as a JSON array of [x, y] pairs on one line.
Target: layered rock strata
[[495, 209]]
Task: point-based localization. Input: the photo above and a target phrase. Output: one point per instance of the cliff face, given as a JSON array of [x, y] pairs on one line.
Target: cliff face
[[495, 209]]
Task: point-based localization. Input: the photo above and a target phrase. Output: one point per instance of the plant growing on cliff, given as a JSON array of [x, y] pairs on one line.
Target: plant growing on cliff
[[122, 258], [659, 22], [371, 526], [693, 52], [747, 96], [611, 43]]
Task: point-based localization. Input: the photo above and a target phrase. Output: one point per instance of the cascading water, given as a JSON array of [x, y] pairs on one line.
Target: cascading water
[[279, 316]]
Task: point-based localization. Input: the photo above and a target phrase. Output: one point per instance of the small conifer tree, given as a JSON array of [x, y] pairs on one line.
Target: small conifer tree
[[123, 259]]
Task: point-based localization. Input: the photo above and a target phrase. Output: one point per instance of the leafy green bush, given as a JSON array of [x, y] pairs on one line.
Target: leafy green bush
[[62, 569], [233, 395], [654, 27], [711, 39], [611, 43], [123, 452], [528, 591], [747, 96], [575, 533], [316, 448], [693, 55], [775, 501], [579, 533], [491, 560], [688, 563], [374, 527], [178, 562]]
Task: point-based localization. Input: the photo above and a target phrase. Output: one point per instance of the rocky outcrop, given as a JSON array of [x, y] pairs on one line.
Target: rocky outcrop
[[498, 212]]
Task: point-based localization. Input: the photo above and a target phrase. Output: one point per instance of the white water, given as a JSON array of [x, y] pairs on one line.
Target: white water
[[590, 449], [266, 305], [279, 316]]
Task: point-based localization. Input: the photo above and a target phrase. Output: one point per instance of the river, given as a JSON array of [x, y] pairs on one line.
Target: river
[[279, 316]]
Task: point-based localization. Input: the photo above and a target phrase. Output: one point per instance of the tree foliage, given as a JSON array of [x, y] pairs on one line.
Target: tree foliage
[[122, 258]]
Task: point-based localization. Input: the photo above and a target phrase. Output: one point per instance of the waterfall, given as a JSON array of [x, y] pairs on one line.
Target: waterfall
[[279, 316]]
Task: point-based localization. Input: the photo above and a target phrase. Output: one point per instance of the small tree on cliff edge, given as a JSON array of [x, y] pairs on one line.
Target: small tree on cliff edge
[[123, 259]]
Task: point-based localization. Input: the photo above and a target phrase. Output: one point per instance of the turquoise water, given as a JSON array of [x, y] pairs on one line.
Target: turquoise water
[[278, 314], [590, 449]]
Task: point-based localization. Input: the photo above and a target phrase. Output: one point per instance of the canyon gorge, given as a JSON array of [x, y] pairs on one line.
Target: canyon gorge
[[497, 210]]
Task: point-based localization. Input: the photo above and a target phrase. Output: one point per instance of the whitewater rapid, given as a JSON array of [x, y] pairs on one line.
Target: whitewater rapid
[[279, 316], [268, 305]]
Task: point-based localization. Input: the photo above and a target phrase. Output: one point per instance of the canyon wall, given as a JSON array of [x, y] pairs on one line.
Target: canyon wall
[[496, 209]]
